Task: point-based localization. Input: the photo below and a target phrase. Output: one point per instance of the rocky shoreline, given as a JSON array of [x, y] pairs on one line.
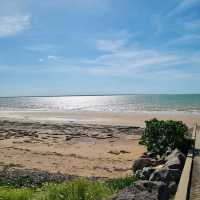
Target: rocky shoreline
[[159, 177]]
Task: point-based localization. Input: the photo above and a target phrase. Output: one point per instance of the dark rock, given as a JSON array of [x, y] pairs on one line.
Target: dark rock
[[168, 152], [176, 153], [115, 152], [175, 160], [145, 173], [30, 178], [172, 187], [124, 151], [139, 175], [166, 175], [144, 190], [174, 163], [144, 155], [140, 163], [68, 137], [160, 161], [17, 178], [149, 154]]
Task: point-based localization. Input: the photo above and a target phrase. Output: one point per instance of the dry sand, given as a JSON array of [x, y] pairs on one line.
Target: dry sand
[[73, 149], [80, 143]]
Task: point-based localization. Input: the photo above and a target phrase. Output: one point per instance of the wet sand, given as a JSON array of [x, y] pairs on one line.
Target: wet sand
[[106, 118]]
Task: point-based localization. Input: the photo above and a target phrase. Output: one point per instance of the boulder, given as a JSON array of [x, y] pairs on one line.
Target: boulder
[[149, 154], [166, 175], [139, 175], [160, 162], [176, 153], [140, 163], [175, 160], [143, 190], [172, 187], [168, 152], [145, 173], [174, 163]]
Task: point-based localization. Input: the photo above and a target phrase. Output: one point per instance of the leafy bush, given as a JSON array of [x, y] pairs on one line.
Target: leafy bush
[[161, 135]]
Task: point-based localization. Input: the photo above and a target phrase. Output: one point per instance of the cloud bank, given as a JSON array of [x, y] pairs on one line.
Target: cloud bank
[[12, 25]]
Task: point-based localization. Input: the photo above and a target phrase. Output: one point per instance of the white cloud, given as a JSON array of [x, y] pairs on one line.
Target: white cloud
[[172, 74], [54, 58], [128, 60], [12, 25], [40, 47], [184, 39], [51, 59], [183, 6], [110, 45], [40, 59]]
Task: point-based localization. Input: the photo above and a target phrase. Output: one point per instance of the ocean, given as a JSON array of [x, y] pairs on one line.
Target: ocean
[[184, 103]]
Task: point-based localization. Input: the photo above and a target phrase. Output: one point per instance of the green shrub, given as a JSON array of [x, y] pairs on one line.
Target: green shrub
[[161, 135], [120, 183]]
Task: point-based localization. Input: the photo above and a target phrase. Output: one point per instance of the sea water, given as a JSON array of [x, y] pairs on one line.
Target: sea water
[[187, 103]]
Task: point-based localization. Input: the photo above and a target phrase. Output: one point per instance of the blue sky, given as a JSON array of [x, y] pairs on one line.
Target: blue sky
[[99, 47]]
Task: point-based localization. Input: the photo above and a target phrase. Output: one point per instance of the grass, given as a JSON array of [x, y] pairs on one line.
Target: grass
[[120, 183], [80, 189], [7, 193]]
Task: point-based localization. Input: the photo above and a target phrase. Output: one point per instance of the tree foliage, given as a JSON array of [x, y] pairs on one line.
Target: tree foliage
[[160, 135]]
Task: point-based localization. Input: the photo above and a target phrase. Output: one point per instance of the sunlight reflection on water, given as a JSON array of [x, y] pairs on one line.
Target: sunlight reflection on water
[[126, 103]]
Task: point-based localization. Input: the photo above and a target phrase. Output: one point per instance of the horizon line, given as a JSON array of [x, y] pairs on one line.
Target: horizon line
[[114, 94]]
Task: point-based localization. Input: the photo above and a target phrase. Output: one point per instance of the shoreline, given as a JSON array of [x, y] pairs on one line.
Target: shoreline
[[93, 117]]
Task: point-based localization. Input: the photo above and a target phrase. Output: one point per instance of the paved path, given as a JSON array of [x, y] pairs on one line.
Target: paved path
[[195, 181]]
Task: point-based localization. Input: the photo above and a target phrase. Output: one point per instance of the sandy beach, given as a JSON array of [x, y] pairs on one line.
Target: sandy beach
[[92, 117], [79, 143], [71, 149]]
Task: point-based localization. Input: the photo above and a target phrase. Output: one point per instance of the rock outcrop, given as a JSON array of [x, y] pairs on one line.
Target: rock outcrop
[[157, 173], [175, 160], [166, 175], [140, 163], [144, 190]]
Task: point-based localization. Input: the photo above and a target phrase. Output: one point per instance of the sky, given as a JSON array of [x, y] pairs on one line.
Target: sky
[[66, 47]]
